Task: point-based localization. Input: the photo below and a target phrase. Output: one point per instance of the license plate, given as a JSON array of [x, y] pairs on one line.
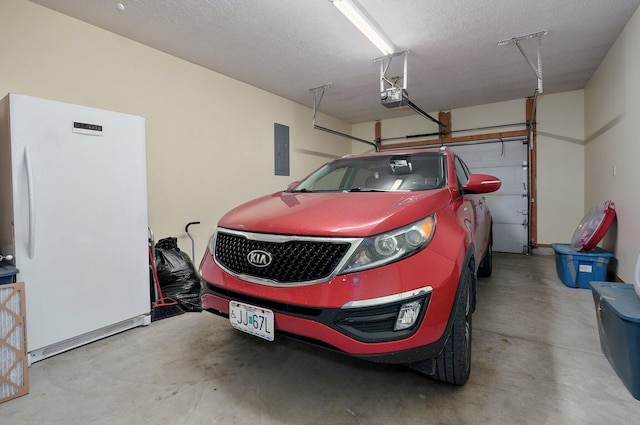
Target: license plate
[[251, 319]]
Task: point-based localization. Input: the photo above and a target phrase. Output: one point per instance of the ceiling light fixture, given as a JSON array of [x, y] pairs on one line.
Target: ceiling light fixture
[[358, 17]]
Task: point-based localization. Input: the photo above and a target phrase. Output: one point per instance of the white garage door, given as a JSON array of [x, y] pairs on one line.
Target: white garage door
[[506, 160]]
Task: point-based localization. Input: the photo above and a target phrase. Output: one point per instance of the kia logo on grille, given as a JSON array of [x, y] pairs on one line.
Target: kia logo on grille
[[259, 258]]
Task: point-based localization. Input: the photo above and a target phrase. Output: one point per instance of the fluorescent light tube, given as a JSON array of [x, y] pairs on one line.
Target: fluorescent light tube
[[357, 16]]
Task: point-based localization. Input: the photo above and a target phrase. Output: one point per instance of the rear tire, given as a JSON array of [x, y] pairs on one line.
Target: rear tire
[[453, 364]]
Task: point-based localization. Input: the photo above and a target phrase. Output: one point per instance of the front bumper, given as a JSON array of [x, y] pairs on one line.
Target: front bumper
[[345, 331], [354, 314], [369, 324]]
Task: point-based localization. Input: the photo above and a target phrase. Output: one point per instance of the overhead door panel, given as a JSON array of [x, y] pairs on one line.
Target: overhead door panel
[[506, 160]]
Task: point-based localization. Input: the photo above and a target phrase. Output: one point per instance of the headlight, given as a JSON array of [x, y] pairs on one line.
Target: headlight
[[377, 250]]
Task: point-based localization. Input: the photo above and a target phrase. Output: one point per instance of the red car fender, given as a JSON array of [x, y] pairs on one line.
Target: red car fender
[[453, 230], [457, 242]]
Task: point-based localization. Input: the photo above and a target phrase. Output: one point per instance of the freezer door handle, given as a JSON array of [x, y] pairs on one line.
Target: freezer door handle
[[32, 204]]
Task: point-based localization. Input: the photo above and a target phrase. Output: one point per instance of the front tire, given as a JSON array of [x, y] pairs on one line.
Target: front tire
[[453, 364]]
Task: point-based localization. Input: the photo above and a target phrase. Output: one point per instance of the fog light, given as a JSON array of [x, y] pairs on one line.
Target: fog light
[[408, 315]]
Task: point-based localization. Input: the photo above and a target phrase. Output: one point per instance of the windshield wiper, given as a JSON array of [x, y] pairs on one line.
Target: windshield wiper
[[365, 189]]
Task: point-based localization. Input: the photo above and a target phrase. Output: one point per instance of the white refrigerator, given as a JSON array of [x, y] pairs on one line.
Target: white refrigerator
[[73, 213]]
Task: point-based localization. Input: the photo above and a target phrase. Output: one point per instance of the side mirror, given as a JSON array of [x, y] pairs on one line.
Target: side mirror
[[482, 183], [292, 185]]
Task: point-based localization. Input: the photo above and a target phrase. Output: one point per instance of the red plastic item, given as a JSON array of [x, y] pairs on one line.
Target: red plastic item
[[593, 227]]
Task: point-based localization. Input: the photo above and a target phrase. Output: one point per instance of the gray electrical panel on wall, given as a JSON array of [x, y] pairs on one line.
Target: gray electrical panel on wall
[[281, 149]]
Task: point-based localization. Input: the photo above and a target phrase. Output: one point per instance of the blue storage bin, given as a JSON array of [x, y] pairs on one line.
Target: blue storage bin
[[7, 271], [618, 311], [576, 269]]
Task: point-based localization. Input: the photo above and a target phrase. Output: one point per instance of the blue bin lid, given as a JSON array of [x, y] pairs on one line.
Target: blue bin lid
[[621, 297], [7, 270], [568, 249]]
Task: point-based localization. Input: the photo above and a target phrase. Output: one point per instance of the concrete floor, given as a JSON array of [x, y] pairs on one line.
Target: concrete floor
[[536, 360]]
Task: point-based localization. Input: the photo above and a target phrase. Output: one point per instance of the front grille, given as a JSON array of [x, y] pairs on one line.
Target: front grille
[[291, 260]]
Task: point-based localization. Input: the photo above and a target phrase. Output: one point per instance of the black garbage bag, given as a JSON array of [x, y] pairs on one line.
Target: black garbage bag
[[177, 275]]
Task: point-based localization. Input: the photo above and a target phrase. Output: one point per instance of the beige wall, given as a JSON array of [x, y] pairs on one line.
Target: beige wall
[[612, 113], [560, 175], [209, 138], [560, 157]]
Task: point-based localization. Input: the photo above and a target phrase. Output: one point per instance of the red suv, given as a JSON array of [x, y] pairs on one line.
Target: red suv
[[372, 255]]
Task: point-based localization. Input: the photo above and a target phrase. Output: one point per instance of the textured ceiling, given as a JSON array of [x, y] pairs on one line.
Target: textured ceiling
[[287, 47]]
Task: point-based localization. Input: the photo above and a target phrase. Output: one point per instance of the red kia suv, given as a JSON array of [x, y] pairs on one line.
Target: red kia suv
[[372, 255]]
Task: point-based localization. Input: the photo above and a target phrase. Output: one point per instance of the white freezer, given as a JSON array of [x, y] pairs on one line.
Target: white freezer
[[74, 215]]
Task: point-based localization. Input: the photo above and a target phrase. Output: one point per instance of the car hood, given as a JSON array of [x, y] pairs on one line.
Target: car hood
[[347, 214]]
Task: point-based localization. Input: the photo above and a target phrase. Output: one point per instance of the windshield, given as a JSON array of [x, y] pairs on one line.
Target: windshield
[[420, 171]]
